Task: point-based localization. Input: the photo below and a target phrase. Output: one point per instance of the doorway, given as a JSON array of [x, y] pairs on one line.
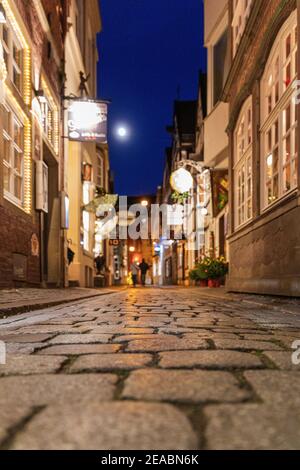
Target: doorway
[[51, 224], [222, 238]]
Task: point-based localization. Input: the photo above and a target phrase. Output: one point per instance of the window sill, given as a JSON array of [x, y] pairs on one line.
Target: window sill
[[279, 201], [16, 202], [241, 227]]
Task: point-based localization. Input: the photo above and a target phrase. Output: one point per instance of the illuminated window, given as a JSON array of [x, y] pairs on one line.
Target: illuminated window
[[13, 160], [243, 165], [241, 12], [50, 116], [13, 55], [47, 120], [278, 116]]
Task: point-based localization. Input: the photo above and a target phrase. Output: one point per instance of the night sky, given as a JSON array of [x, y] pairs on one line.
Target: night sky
[[150, 54]]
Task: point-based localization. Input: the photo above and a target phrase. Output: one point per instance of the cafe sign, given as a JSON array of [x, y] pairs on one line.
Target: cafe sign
[[87, 121]]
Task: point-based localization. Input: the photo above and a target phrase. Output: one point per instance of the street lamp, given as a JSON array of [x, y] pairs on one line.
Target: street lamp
[[181, 180], [144, 203]]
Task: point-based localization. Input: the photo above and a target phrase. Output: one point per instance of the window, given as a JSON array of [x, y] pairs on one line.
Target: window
[[13, 156], [13, 55], [243, 165], [241, 12], [86, 197], [100, 172], [49, 116], [47, 119], [80, 23], [279, 118], [220, 66], [86, 230]]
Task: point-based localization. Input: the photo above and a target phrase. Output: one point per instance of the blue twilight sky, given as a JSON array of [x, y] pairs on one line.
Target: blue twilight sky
[[150, 54]]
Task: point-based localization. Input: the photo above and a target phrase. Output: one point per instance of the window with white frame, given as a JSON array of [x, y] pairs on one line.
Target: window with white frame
[[243, 165], [241, 12], [13, 156], [47, 119], [279, 118], [13, 55]]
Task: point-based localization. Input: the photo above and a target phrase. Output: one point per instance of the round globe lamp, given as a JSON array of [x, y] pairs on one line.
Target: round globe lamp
[[181, 181]]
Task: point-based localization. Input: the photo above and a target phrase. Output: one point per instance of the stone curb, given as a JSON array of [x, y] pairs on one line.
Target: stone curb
[[11, 311]]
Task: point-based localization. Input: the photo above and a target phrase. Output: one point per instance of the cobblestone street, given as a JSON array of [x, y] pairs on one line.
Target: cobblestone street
[[151, 369]]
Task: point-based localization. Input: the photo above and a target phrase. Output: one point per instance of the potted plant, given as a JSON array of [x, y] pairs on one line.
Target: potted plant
[[194, 276], [217, 270], [200, 275]]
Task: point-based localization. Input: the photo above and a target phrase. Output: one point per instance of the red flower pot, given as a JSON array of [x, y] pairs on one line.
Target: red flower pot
[[214, 283], [203, 283]]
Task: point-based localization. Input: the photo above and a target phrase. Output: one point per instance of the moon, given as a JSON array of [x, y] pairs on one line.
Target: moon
[[122, 132]]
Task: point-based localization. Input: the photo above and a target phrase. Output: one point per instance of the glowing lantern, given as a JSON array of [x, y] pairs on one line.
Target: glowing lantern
[[181, 181]]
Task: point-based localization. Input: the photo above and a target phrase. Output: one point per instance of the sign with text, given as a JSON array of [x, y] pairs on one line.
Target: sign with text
[[87, 121], [219, 187]]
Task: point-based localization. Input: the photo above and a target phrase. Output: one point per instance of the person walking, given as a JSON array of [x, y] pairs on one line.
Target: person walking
[[134, 268], [144, 268]]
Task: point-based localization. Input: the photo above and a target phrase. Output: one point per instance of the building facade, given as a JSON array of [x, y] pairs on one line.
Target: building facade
[[261, 92], [84, 162], [214, 181], [31, 158], [174, 258]]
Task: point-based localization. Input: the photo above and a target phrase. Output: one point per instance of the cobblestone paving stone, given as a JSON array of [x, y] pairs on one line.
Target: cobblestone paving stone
[[152, 369]]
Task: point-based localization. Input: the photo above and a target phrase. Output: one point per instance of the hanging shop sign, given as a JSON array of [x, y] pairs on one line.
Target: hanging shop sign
[[219, 186], [87, 121]]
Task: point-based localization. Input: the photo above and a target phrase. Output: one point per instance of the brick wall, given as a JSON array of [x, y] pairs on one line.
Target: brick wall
[[17, 228], [15, 237]]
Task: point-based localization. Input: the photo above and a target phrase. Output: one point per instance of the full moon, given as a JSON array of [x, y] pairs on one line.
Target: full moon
[[122, 132]]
